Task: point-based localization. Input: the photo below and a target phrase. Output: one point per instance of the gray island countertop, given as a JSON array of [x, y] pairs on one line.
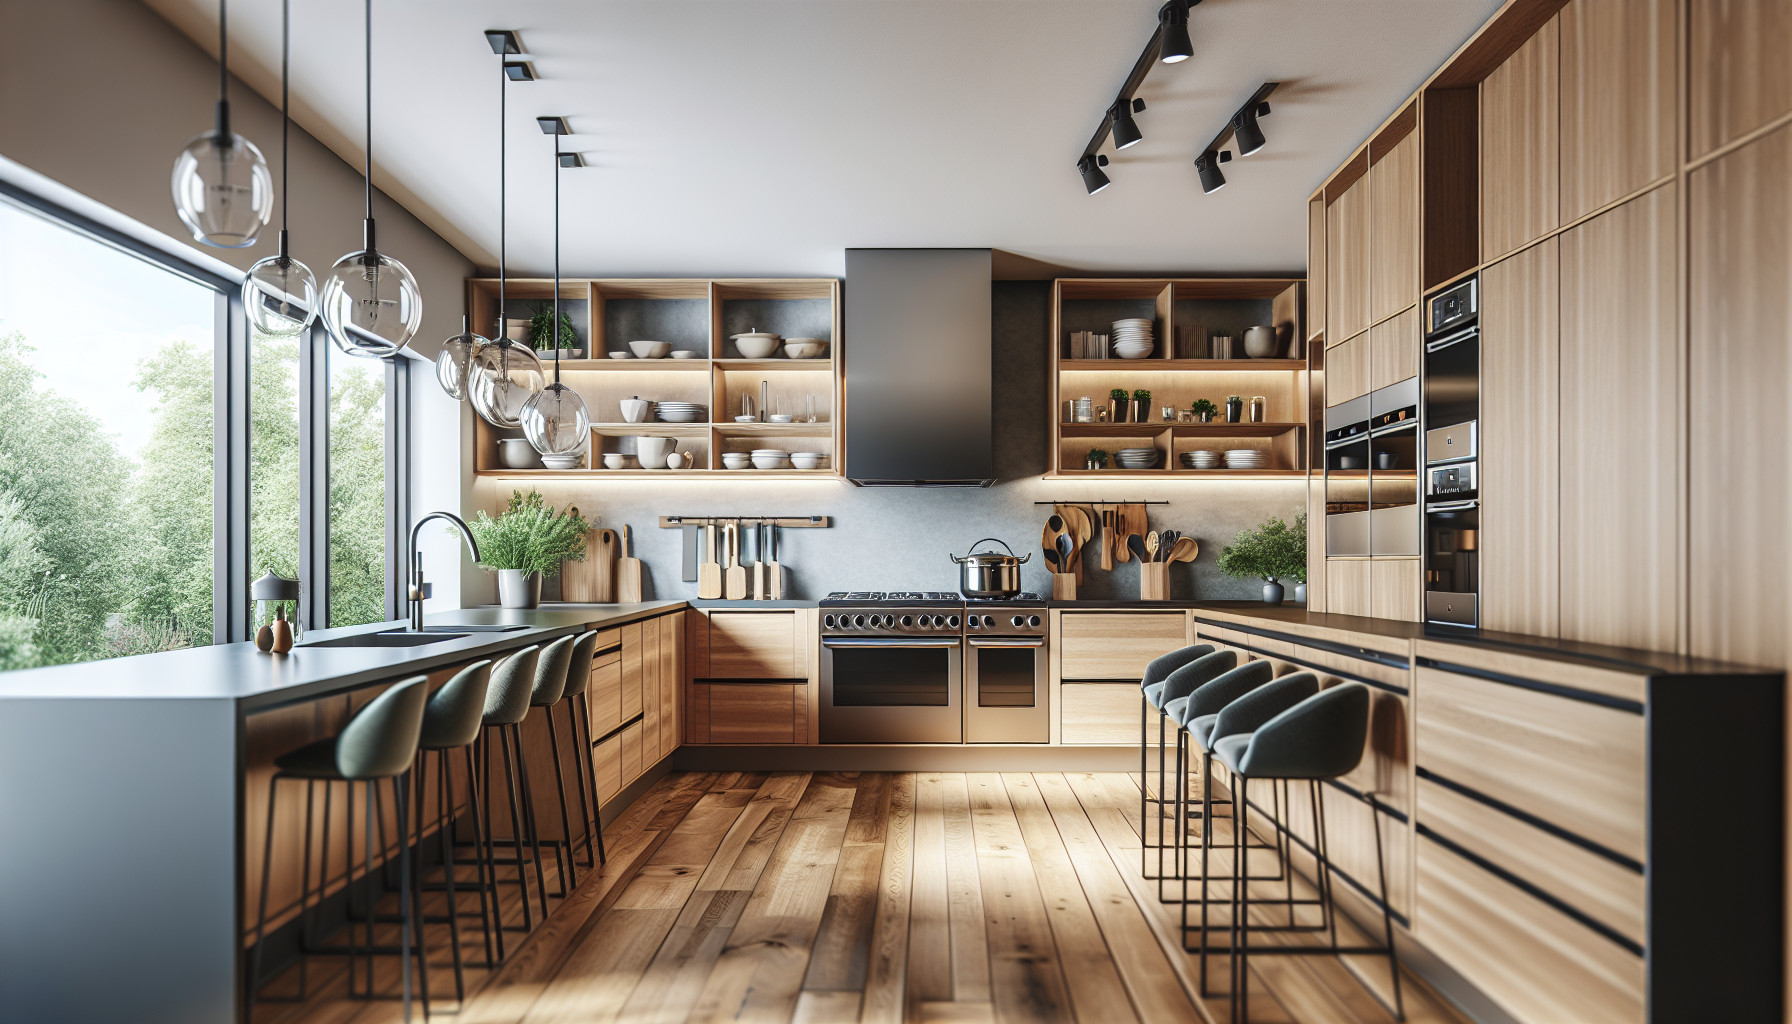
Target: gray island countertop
[[257, 681]]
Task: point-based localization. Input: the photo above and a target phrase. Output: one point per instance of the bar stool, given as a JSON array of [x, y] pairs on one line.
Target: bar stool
[[550, 686], [451, 722], [378, 744], [506, 702], [578, 678], [1190, 673], [1192, 714], [1314, 739]]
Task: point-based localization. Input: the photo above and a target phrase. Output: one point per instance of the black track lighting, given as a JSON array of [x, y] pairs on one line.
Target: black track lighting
[[553, 126], [519, 71], [1126, 130], [571, 160], [1090, 166], [1174, 45], [1246, 130], [1207, 165], [503, 41]]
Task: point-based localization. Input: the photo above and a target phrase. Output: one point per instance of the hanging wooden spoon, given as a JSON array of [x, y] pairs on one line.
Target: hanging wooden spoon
[[1048, 542], [1186, 550], [1151, 546]]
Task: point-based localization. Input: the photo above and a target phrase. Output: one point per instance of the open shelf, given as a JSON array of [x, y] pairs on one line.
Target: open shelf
[[1178, 429], [1160, 365]]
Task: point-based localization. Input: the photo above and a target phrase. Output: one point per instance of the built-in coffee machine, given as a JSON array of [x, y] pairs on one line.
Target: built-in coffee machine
[[1451, 484]]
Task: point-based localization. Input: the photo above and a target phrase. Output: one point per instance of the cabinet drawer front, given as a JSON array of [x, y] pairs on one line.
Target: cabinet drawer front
[[754, 645], [606, 763], [605, 694], [1539, 964], [752, 712], [1099, 712], [1598, 887], [1575, 764], [1102, 646]]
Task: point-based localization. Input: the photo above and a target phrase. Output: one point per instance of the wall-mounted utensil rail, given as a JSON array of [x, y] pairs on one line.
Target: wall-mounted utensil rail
[[786, 522]]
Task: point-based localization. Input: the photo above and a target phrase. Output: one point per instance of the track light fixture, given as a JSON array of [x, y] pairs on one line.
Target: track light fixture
[[553, 126], [1090, 166], [1126, 130], [1246, 130], [1173, 43], [503, 41], [1207, 165], [571, 160], [519, 71]]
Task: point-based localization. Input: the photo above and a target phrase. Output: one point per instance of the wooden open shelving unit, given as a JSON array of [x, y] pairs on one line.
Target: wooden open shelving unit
[[1185, 313], [697, 315]]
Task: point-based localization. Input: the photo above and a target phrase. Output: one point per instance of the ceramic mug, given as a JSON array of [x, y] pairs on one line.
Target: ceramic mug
[[652, 451], [615, 461]]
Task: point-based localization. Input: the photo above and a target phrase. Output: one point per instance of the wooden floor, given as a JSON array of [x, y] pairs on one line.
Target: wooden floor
[[836, 897]]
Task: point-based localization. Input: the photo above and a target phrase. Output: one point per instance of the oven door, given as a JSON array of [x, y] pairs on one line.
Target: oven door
[[892, 690], [1452, 562], [1005, 690]]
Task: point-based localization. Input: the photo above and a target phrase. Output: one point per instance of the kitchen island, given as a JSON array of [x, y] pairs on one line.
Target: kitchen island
[[123, 789]]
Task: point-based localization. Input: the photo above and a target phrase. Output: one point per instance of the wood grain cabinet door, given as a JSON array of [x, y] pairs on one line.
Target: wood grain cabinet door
[[1347, 370], [1347, 586], [1394, 349], [1347, 263], [1520, 145], [1099, 645], [1315, 267], [1394, 229], [1617, 100], [756, 645], [1739, 77], [1395, 589]]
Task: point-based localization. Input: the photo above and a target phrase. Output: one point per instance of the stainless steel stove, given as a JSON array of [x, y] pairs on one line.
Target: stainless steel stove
[[903, 613], [1006, 675]]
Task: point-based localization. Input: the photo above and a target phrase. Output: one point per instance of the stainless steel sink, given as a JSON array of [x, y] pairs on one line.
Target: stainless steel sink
[[395, 638]]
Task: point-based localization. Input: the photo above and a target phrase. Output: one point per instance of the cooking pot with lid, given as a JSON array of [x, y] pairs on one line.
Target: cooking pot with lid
[[989, 574]]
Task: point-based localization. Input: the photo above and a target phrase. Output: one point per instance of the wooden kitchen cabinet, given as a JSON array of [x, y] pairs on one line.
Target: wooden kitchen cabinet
[[1396, 589], [756, 645], [1347, 254], [1617, 128], [1348, 586], [749, 713], [1347, 368], [1738, 76], [1621, 360], [1100, 713], [1394, 228], [1394, 350], [634, 699], [1520, 146], [1115, 645], [1315, 268], [748, 676], [1521, 422]]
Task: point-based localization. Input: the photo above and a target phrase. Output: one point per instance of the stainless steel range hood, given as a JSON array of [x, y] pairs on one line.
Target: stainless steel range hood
[[918, 375]]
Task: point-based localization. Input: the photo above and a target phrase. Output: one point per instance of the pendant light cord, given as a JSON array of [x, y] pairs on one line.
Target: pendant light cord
[[368, 155], [285, 116], [503, 95], [223, 114], [556, 332]]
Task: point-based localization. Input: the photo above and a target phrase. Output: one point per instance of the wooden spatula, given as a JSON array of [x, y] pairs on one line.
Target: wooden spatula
[[628, 571], [709, 573], [759, 581], [1107, 538], [734, 577]]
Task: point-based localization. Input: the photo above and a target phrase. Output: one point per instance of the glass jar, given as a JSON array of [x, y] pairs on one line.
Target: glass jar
[[1259, 407], [1083, 410]]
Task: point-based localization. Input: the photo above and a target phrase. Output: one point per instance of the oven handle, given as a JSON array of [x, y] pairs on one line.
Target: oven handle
[[1450, 339], [880, 641], [987, 641], [1451, 506]]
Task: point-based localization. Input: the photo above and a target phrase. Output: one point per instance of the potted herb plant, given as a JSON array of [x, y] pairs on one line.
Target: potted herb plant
[[541, 332], [1117, 405], [525, 542], [1234, 408], [1098, 459], [1274, 551], [1141, 406], [1204, 410]]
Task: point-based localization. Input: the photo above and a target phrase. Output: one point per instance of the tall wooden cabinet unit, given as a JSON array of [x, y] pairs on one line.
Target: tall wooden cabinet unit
[[1521, 475], [1617, 96], [1520, 139], [1621, 407], [1394, 221]]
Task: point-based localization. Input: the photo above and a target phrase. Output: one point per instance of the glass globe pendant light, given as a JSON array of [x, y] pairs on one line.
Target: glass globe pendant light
[[556, 421], [371, 305], [454, 364], [222, 190], [502, 375], [279, 292]]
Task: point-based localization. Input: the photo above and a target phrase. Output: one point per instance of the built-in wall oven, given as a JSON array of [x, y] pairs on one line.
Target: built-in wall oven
[[1006, 675], [892, 668], [1452, 450]]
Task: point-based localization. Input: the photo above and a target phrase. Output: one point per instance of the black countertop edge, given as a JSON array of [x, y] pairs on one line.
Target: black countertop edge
[[1106, 605], [749, 605], [258, 682]]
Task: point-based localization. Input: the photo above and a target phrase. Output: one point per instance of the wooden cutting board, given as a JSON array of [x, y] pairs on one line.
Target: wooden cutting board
[[734, 577], [592, 581], [709, 571], [628, 571]]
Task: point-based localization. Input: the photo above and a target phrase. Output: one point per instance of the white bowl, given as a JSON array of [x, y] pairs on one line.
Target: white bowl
[[622, 355], [771, 462], [563, 461], [651, 349], [805, 460], [746, 419], [684, 353], [615, 461], [757, 344], [735, 460], [778, 417], [775, 452], [804, 348], [1132, 349]]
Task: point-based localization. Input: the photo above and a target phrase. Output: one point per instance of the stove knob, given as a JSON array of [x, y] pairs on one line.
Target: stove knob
[[1019, 621], [880, 622], [938, 622], [1033, 620], [858, 621], [988, 620], [907, 621], [952, 621], [828, 622]]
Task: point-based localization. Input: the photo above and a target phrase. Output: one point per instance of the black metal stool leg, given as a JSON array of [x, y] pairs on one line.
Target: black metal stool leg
[[597, 806], [516, 827], [445, 802], [522, 770], [1387, 915], [566, 868], [579, 754]]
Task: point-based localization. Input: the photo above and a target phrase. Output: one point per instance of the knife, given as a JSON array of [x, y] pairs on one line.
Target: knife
[[689, 575], [758, 561]]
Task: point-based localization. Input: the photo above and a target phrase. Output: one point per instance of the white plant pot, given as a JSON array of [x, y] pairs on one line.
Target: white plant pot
[[519, 589]]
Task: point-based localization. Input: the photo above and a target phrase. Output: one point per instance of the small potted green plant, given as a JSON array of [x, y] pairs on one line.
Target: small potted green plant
[[1204, 410], [1273, 552], [1098, 459], [541, 332], [1141, 406], [525, 542], [1234, 408], [1117, 405]]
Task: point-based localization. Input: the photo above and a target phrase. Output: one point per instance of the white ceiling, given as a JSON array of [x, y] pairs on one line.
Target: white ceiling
[[763, 137]]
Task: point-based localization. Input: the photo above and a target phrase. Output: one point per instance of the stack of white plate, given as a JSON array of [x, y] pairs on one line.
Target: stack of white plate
[[1201, 458], [1133, 338], [1136, 458], [680, 412], [1247, 458], [771, 458]]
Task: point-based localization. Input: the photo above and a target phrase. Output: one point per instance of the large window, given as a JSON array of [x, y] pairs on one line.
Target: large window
[[106, 449], [358, 504]]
